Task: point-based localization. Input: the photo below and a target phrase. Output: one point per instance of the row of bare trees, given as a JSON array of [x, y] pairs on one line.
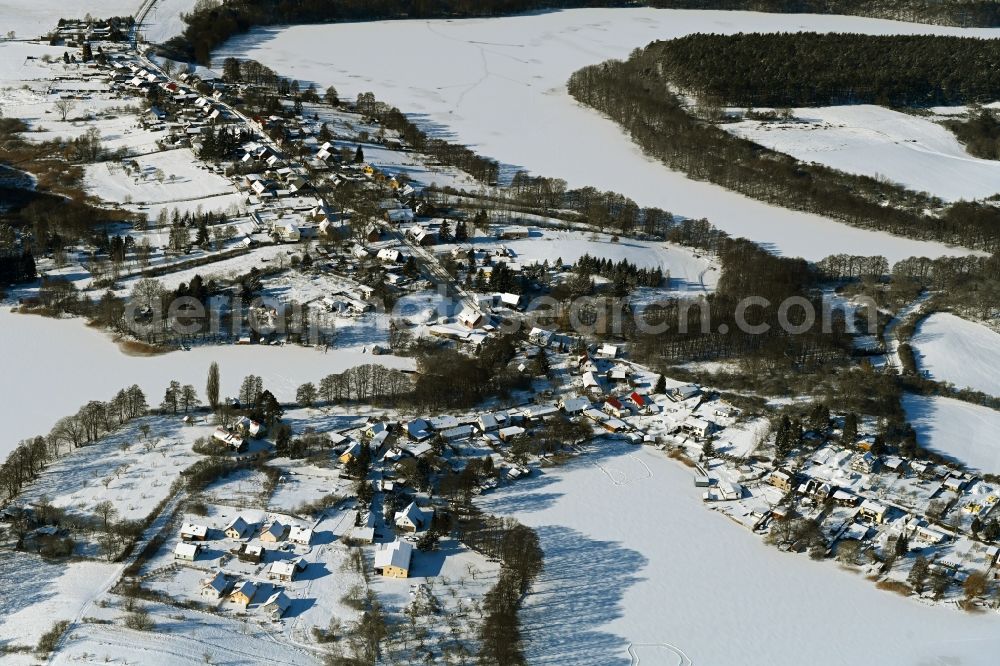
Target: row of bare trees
[[94, 420]]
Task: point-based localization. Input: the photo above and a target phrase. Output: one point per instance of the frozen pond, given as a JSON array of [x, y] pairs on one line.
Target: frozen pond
[[52, 367], [498, 85], [634, 561]]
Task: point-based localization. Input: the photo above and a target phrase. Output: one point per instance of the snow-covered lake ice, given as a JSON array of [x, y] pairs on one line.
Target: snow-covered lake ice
[[499, 85], [634, 560], [55, 366]]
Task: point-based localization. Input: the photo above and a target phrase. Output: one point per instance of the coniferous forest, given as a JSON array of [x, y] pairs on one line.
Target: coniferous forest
[[811, 69], [637, 95], [980, 134], [210, 24]]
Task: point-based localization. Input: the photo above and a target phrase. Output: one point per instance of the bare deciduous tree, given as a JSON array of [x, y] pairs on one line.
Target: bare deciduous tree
[[63, 107]]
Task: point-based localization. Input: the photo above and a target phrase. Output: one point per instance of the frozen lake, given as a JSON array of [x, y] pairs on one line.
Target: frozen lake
[[498, 85], [633, 560], [52, 367]]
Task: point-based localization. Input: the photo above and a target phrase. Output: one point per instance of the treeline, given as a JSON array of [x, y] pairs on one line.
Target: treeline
[[365, 383], [483, 169], [633, 95], [450, 379], [813, 69], [939, 273], [623, 272], [711, 328], [210, 24], [604, 210], [213, 23], [521, 557], [90, 423], [980, 134], [17, 267]]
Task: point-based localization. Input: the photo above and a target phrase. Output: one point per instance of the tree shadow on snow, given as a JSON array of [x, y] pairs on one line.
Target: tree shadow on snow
[[580, 589], [521, 496]]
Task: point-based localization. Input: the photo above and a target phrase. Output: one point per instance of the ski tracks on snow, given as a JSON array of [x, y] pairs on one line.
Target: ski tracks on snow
[[672, 650]]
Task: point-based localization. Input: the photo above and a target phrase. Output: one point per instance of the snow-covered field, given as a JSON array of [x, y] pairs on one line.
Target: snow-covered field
[[35, 594], [689, 271], [131, 471], [636, 569], [164, 20], [167, 179], [30, 20], [71, 364], [498, 85], [957, 429], [959, 351], [874, 141]]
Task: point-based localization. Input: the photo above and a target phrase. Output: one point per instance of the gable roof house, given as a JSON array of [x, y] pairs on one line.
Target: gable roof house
[[244, 593], [696, 427], [535, 413], [487, 423], [574, 405], [399, 215], [614, 407], [301, 535], [642, 402], [681, 393], [276, 605], [781, 480], [253, 554], [193, 532], [352, 452], [235, 442], [458, 433], [216, 587], [418, 430], [283, 571], [591, 382], [377, 427], [413, 518], [392, 560], [186, 551], [470, 318], [238, 528], [619, 373], [510, 432], [379, 440], [422, 235], [872, 511], [250, 428], [866, 464], [540, 336], [512, 301], [607, 350], [274, 532]]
